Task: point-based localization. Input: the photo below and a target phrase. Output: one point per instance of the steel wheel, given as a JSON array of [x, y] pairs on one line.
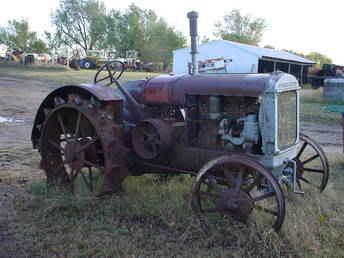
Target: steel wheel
[[312, 164], [78, 148], [238, 187]]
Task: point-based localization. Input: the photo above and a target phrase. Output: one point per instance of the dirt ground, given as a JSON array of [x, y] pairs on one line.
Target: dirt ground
[[19, 101]]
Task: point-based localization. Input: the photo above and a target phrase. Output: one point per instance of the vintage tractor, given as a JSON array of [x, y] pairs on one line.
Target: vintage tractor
[[238, 134]]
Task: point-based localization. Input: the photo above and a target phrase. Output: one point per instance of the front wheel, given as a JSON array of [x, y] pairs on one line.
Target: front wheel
[[312, 165], [240, 188]]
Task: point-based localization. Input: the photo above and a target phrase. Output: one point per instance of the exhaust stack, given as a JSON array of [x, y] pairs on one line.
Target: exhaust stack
[[193, 16]]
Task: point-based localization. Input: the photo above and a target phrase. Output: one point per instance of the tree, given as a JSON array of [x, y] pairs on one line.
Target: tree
[[205, 39], [142, 30], [241, 28], [39, 46], [17, 36], [319, 58], [269, 46], [160, 41], [80, 22], [295, 52]]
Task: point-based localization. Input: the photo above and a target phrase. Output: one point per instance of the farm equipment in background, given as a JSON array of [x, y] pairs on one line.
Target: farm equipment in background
[[237, 134], [316, 76], [96, 58]]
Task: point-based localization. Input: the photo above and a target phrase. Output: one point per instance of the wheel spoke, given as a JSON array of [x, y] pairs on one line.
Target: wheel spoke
[[253, 184], [56, 145], [59, 167], [264, 196], [74, 175], [228, 176], [77, 125], [238, 181], [302, 149], [90, 176], [59, 118], [88, 144], [311, 159], [272, 212], [87, 183], [313, 170], [91, 164], [305, 180]]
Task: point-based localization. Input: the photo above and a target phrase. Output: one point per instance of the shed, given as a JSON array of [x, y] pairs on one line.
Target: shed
[[223, 56]]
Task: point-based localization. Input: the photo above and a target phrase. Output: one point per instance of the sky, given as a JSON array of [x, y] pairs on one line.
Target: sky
[[300, 25]]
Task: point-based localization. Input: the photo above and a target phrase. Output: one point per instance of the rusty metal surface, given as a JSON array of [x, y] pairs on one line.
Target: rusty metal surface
[[151, 138], [83, 90], [242, 178], [78, 142], [237, 204], [173, 89]]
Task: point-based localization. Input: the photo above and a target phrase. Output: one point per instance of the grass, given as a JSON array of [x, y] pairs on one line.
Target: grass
[[154, 220], [61, 75], [312, 105]]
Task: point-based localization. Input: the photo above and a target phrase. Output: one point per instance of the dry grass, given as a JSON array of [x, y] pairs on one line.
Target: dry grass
[[60, 74], [154, 220]]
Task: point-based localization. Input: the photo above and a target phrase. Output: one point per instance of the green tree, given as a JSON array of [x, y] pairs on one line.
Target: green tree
[[240, 28], [39, 46], [319, 58], [295, 52], [159, 41], [81, 23], [205, 39], [17, 36], [269, 46], [142, 30]]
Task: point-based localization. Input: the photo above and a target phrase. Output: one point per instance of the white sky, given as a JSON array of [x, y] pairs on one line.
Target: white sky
[[299, 25]]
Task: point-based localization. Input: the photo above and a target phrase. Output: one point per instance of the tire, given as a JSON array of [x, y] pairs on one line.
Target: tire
[[88, 64]]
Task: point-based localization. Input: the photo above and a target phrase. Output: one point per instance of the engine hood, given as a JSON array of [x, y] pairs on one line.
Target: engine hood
[[173, 89]]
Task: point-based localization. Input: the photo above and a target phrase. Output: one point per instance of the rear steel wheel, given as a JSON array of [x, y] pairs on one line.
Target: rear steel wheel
[[312, 164], [238, 187], [81, 151]]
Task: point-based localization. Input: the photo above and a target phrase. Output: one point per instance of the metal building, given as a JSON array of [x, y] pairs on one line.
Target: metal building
[[223, 56]]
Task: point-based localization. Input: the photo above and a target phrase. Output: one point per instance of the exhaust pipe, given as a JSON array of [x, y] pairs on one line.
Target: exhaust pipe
[[193, 16]]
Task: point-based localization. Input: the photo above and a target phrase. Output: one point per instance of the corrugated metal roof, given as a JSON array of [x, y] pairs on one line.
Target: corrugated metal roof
[[259, 51]]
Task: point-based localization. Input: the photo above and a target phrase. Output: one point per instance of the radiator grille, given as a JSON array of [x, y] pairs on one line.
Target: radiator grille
[[287, 119]]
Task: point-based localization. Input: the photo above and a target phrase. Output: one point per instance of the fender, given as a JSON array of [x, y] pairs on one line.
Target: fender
[[100, 93]]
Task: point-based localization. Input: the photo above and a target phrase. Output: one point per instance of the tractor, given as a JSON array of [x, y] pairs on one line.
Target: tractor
[[237, 134]]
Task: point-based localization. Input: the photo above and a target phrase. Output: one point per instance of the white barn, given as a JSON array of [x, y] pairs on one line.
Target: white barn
[[225, 56]]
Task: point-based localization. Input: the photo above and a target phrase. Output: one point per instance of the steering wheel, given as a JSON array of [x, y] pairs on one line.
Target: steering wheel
[[114, 70]]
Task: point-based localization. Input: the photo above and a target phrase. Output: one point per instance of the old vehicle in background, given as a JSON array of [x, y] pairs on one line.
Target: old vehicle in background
[[317, 76], [238, 134], [96, 58]]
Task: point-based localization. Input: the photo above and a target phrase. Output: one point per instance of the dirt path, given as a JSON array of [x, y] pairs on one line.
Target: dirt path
[[19, 100]]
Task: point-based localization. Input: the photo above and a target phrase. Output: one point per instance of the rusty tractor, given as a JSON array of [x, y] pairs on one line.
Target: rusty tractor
[[238, 135]]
